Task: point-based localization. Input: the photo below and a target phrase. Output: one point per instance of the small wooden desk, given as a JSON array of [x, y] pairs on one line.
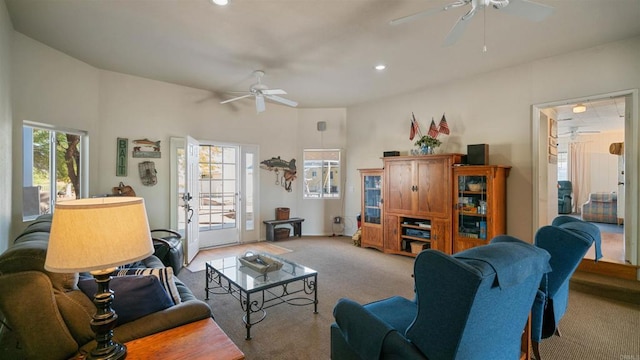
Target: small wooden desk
[[198, 340], [296, 223]]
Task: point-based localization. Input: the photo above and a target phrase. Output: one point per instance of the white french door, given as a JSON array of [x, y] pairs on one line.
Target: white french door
[[191, 198], [228, 194], [215, 193], [185, 193]]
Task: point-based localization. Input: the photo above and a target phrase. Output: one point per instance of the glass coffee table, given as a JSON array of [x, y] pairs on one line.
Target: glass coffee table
[[293, 284]]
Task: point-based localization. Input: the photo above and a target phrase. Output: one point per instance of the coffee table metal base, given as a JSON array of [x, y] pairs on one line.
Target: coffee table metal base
[[255, 302]]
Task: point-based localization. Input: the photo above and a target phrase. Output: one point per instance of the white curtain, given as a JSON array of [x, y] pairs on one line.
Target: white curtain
[[580, 173]]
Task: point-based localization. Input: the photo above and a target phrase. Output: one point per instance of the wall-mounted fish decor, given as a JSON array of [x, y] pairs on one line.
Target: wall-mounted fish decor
[[277, 164]]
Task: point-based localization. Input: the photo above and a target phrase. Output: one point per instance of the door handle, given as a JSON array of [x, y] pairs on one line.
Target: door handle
[[190, 212]]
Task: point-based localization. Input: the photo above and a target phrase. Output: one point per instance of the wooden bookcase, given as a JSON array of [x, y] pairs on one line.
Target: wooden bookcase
[[480, 198], [372, 212]]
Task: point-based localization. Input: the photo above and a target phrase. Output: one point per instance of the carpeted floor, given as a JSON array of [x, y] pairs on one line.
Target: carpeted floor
[[593, 328], [198, 263]]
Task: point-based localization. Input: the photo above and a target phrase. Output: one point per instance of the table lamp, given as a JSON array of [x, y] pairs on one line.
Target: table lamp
[[97, 235]]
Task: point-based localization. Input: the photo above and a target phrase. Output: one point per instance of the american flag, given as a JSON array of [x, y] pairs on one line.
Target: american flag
[[443, 127], [415, 128], [433, 130]]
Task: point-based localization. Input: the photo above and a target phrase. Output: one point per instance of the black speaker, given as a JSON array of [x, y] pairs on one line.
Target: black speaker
[[478, 154]]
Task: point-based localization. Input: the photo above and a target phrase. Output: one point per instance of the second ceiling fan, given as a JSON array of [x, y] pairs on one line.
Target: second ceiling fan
[[261, 91], [527, 9]]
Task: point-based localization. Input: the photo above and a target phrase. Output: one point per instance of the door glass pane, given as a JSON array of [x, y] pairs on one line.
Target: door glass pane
[[218, 187], [248, 193]]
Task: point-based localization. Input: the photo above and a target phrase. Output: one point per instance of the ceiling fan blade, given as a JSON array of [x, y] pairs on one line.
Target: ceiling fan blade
[[274, 92], [235, 98], [528, 10], [282, 100], [457, 30], [260, 104], [588, 131], [409, 18]]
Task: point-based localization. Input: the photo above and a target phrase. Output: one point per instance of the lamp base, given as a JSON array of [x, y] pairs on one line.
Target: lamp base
[[104, 321], [115, 352]]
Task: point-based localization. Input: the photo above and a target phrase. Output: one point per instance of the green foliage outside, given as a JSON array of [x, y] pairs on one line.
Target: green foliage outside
[[67, 159]]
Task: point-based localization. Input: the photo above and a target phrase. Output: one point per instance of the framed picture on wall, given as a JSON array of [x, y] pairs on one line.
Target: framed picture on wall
[[553, 128], [553, 142]]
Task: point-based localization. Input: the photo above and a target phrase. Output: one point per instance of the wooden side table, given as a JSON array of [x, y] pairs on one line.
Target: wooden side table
[[271, 225], [198, 340]]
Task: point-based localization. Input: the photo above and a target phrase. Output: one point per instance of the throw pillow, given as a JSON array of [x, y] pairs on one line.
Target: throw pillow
[[134, 296], [165, 275]]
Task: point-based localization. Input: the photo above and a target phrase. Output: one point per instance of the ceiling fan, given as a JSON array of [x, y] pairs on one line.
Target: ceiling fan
[[574, 132], [261, 91], [527, 9]]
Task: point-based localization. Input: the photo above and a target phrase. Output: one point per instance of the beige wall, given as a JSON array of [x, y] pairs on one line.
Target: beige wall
[[53, 88], [493, 108], [6, 32]]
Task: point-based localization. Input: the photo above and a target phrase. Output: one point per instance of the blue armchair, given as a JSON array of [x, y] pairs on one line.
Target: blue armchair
[[567, 239], [565, 204], [471, 305]]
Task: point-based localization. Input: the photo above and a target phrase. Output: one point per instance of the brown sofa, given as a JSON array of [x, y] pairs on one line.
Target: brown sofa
[[49, 314]]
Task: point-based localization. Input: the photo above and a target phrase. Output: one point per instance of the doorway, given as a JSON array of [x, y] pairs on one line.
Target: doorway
[[214, 193], [589, 174], [581, 156]]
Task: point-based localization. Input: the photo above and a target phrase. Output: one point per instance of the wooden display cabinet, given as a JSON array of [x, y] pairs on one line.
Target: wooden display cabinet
[[480, 198], [372, 212]]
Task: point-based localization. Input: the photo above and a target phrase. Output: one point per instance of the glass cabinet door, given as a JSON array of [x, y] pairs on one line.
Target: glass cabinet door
[[472, 206], [372, 199]]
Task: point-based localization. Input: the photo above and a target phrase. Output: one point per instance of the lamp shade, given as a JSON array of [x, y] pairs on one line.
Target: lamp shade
[[98, 234]]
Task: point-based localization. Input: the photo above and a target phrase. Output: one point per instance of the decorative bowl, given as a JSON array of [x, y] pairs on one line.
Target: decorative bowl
[[260, 263], [475, 187]]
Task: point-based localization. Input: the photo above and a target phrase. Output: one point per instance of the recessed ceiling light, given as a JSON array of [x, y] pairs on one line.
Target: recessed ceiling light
[[380, 67], [580, 108], [219, 2]]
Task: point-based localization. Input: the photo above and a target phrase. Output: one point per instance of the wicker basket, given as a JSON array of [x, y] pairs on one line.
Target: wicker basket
[[418, 246], [282, 233], [282, 213]]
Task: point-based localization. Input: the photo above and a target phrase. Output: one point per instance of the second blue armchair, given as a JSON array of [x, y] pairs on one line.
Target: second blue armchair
[[567, 239]]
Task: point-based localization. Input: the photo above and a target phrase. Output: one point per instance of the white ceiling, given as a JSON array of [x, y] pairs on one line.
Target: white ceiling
[[322, 52], [601, 115]]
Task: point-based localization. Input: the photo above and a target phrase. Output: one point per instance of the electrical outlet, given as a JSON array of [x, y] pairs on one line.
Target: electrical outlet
[[337, 220]]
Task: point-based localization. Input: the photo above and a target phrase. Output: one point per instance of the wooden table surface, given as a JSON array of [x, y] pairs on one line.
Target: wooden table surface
[[198, 340]]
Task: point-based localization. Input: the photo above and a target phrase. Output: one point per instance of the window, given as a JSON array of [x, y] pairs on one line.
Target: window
[[52, 168], [322, 174], [563, 166]]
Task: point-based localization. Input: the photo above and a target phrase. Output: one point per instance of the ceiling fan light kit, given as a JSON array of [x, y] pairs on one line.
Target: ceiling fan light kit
[[261, 91]]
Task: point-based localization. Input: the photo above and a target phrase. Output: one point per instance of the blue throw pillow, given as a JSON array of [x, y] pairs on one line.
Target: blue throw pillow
[[134, 296], [165, 275]]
